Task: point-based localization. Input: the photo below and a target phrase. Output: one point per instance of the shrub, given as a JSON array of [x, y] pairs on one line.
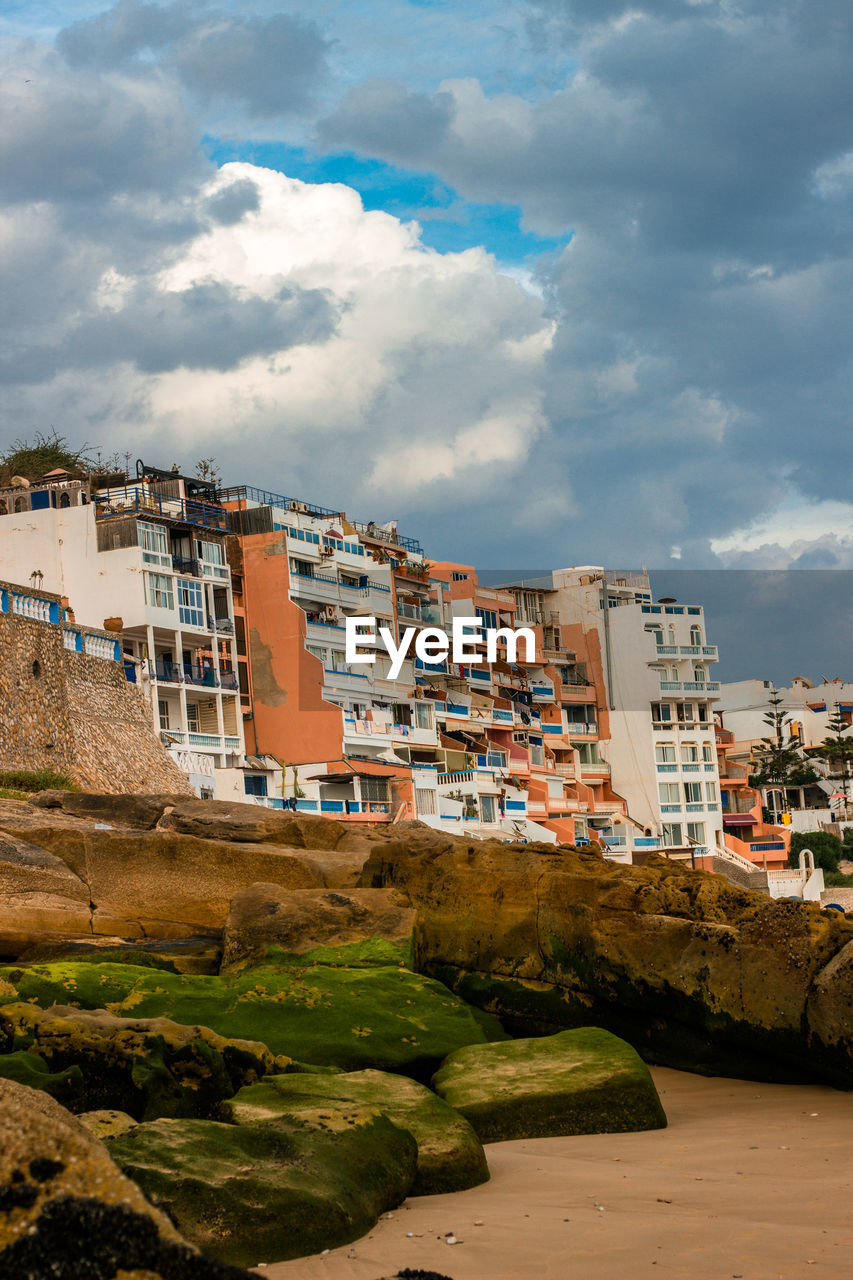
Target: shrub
[[838, 880], [30, 780], [827, 848]]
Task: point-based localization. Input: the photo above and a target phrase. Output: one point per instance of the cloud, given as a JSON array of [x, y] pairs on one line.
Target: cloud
[[269, 65]]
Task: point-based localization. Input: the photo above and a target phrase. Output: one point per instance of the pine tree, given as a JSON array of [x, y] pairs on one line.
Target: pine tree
[[779, 761], [837, 750]]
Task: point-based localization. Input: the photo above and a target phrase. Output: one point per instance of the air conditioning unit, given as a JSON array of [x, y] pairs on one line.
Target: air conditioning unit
[[303, 507], [329, 613], [293, 506]]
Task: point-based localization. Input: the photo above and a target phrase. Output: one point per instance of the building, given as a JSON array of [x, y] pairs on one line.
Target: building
[[655, 664], [145, 560]]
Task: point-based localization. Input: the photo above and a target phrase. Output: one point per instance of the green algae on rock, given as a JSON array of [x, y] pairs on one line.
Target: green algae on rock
[[582, 1081], [267, 1192], [66, 1205], [450, 1155], [379, 1016], [146, 1066], [107, 1124]]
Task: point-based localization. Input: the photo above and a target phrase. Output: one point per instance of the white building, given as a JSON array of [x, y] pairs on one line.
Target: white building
[[659, 698], [147, 561]]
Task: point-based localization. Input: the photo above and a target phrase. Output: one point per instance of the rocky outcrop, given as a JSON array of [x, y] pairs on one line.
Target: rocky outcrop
[[267, 1192], [199, 954], [692, 971], [583, 1081], [304, 922], [147, 1067], [75, 864], [450, 1156], [325, 1015], [60, 1191]]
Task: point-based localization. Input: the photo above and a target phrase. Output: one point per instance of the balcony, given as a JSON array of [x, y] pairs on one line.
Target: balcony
[[187, 565], [690, 650], [671, 686], [667, 768], [166, 672], [145, 502], [228, 679], [710, 651], [666, 650], [582, 729], [225, 625], [200, 675]]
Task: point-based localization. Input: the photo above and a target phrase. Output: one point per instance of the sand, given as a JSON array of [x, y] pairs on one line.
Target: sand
[[749, 1180]]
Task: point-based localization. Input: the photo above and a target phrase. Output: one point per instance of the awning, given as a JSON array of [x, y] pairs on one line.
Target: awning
[[261, 762], [740, 819]]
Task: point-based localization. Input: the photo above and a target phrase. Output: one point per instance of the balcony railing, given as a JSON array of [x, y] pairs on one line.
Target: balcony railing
[[187, 565], [228, 679], [167, 671], [125, 501], [200, 675]]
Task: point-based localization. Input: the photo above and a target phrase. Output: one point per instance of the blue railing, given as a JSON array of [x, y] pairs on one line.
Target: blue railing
[[228, 679], [765, 848], [267, 499], [200, 675], [119, 502], [168, 671]]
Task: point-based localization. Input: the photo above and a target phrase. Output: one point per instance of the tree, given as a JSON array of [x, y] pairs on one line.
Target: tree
[[779, 756], [837, 750], [207, 470], [827, 848], [45, 452]]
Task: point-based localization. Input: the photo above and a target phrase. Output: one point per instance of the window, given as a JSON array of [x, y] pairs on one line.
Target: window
[[695, 635], [672, 834], [487, 808], [460, 577], [317, 652], [163, 712], [661, 712], [65, 499], [693, 792], [401, 713], [699, 675], [696, 832], [425, 800], [488, 618], [255, 784], [154, 543], [711, 792], [707, 753], [423, 715], [374, 788], [213, 554], [665, 753], [689, 753], [668, 792], [158, 591], [303, 567], [37, 669], [190, 602], [192, 717], [702, 712]]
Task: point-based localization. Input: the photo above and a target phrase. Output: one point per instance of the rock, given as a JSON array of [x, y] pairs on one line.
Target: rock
[[584, 1081], [382, 1017], [40, 897], [201, 954], [59, 1188], [255, 824], [107, 1124], [133, 810], [692, 971], [450, 1156], [146, 1066], [299, 921], [271, 1191], [162, 884]]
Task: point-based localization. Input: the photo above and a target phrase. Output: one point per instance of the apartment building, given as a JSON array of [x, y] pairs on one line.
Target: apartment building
[[145, 560], [657, 687]]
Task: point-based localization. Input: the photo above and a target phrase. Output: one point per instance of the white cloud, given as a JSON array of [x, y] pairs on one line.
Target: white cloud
[[816, 533]]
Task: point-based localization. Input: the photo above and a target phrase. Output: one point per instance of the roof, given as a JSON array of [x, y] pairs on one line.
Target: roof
[[740, 819]]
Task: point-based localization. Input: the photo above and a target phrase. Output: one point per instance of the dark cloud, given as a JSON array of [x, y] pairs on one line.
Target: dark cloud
[[234, 202], [390, 121], [209, 326], [269, 65]]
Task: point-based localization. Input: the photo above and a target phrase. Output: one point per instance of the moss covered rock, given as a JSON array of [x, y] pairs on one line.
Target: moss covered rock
[[300, 921], [262, 1193], [66, 1209], [584, 1081], [382, 1016], [693, 971], [107, 1124], [450, 1155], [147, 1067]]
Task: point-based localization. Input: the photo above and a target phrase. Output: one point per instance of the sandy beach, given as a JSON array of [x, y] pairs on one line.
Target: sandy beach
[[749, 1180]]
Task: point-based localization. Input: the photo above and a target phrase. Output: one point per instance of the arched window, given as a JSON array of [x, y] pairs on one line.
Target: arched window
[[4, 510], [19, 504], [65, 500], [695, 635], [671, 634], [699, 675]]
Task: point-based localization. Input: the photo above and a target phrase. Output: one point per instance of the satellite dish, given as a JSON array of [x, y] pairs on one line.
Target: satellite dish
[[666, 600]]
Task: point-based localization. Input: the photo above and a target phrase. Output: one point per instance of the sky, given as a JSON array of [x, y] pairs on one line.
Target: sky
[[547, 281]]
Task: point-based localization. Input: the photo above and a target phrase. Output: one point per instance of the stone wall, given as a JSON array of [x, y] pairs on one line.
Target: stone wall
[[76, 714]]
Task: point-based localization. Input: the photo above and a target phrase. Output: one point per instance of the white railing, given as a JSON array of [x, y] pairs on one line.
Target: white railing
[[31, 607], [99, 646], [69, 639]]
